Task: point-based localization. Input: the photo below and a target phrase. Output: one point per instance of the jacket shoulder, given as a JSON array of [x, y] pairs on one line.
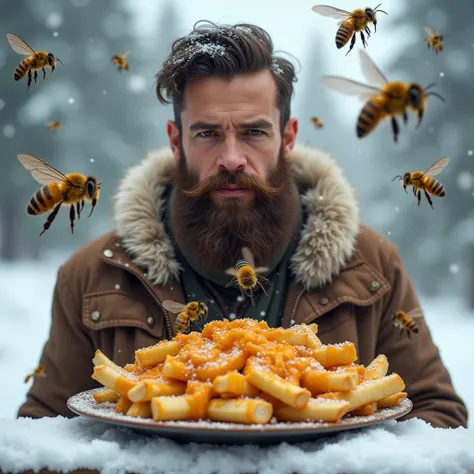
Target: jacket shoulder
[[87, 256], [375, 249]]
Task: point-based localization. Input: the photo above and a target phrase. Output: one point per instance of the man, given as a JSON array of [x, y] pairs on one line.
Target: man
[[233, 178]]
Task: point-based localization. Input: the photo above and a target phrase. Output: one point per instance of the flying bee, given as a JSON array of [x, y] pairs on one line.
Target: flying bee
[[317, 122], [351, 23], [59, 189], [246, 275], [435, 40], [34, 61], [120, 61], [38, 372], [424, 181], [406, 321], [194, 311], [383, 99], [53, 126]]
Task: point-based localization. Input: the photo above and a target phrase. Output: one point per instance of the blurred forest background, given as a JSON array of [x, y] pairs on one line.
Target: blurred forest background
[[111, 119]]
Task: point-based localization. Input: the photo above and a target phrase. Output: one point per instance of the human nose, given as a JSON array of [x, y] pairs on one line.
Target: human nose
[[231, 157]]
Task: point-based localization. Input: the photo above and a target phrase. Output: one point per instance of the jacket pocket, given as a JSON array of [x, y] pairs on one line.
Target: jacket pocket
[[334, 318], [108, 309]]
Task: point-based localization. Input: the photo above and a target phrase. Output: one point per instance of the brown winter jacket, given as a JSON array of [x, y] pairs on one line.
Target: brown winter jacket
[[346, 277]]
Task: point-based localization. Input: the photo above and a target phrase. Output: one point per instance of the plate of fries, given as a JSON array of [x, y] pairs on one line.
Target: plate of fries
[[241, 382]]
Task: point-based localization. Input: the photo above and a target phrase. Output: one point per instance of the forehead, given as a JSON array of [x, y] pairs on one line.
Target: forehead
[[244, 95]]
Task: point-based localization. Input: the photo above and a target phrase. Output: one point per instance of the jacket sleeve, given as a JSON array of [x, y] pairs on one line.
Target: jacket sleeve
[[417, 360], [67, 357]]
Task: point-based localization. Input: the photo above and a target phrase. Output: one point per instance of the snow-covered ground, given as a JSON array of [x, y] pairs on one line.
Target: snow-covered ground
[[25, 300]]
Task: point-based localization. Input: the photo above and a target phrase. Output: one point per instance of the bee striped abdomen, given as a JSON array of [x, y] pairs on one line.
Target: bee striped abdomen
[[21, 70], [344, 34], [433, 186], [369, 117], [41, 202]]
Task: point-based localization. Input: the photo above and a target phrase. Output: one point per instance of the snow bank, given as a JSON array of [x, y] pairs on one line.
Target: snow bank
[[63, 444]]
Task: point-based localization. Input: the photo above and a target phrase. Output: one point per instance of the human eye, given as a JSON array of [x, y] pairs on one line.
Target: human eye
[[206, 133], [255, 133]]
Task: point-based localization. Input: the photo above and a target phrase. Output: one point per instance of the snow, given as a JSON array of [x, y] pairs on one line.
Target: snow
[[66, 444]]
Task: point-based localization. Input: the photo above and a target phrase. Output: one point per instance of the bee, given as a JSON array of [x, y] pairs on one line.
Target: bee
[[435, 40], [38, 372], [406, 321], [58, 190], [246, 275], [53, 126], [120, 61], [424, 181], [317, 122], [34, 61], [351, 23], [383, 99], [194, 311]]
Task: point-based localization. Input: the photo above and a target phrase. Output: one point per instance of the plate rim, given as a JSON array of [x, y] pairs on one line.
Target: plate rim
[[404, 408]]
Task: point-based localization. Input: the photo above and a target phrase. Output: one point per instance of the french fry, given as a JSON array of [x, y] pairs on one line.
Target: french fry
[[113, 379], [101, 359], [106, 395], [312, 341], [149, 356], [365, 410], [235, 384], [278, 387], [171, 408], [322, 382], [370, 391], [140, 410], [335, 354], [391, 400], [317, 409], [225, 363], [240, 410], [175, 369], [123, 405], [145, 390], [377, 368], [295, 338]]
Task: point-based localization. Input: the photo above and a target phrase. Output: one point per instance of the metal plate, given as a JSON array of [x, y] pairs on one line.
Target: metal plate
[[213, 432]]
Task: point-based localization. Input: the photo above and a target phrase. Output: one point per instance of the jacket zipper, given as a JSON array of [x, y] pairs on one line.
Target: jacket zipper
[[157, 300], [292, 317]]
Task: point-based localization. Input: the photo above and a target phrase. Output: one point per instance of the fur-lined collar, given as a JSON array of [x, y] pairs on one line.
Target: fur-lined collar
[[326, 242]]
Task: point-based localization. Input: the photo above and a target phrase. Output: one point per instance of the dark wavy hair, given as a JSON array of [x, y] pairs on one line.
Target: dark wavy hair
[[223, 51]]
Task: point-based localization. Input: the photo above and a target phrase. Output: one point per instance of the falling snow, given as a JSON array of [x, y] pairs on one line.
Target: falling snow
[[9, 131], [470, 152], [55, 34], [441, 74], [454, 268], [465, 180], [71, 100], [54, 20], [92, 160], [117, 286], [2, 104]]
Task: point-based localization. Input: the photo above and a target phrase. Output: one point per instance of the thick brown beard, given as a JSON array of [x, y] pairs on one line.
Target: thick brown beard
[[213, 236]]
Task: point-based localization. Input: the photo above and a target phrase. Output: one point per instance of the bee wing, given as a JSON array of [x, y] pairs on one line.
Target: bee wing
[[437, 167], [231, 271], [370, 70], [333, 12], [247, 255], [429, 31], [28, 377], [173, 306], [40, 170], [124, 55], [415, 313], [19, 46], [261, 269], [350, 87]]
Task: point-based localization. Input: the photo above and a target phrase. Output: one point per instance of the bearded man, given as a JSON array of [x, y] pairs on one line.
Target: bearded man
[[233, 178]]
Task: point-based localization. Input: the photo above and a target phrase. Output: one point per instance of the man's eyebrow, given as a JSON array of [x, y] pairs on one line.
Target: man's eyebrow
[[201, 125]]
